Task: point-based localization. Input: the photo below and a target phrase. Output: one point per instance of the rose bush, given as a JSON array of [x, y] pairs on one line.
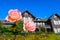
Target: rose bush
[[15, 15]]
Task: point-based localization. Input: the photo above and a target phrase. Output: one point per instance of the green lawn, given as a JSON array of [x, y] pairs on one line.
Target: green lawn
[[31, 37]]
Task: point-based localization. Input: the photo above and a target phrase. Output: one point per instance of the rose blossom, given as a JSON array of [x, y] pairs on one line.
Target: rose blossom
[[29, 26], [8, 19], [13, 15]]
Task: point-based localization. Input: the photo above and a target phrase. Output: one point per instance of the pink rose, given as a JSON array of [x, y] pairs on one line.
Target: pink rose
[[13, 15], [29, 26], [8, 19]]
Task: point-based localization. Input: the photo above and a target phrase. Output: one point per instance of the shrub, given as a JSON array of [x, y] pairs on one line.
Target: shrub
[[42, 29]]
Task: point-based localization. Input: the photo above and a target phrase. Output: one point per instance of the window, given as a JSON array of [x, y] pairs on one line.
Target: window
[[43, 24], [57, 30], [39, 24], [57, 22], [29, 18], [24, 18]]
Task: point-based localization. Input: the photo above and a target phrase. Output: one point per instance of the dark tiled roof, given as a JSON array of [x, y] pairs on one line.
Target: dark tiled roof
[[40, 19], [53, 15], [28, 13]]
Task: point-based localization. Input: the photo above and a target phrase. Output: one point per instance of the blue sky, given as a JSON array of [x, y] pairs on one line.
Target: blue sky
[[39, 8]]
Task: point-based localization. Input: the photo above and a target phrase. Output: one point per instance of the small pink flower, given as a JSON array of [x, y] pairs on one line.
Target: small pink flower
[[29, 25], [13, 15]]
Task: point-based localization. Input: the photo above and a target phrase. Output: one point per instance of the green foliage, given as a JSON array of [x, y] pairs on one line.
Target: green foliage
[[19, 24], [8, 33], [4, 29], [42, 29], [0, 29], [0, 25], [16, 27]]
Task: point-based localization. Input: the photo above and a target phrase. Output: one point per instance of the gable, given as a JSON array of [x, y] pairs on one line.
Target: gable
[[55, 20], [27, 14], [55, 16]]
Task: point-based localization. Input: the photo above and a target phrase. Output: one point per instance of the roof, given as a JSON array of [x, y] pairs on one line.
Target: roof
[[53, 15], [5, 22], [28, 13], [41, 19]]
